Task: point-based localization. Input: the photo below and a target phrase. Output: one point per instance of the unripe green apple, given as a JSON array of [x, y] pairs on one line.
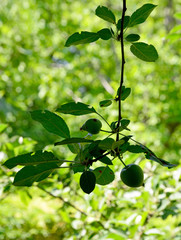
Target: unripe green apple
[[132, 175], [92, 126]]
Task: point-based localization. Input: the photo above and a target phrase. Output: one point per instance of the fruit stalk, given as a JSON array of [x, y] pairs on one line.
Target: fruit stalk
[[120, 37]]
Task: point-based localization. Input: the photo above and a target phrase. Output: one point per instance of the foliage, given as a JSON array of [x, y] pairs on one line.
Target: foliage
[[44, 75]]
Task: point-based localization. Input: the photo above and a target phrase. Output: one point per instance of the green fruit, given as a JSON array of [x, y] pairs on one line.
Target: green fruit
[[92, 126], [132, 175]]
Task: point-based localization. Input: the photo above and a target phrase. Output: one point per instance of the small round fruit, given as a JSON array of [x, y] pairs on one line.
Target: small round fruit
[[132, 175], [92, 126]]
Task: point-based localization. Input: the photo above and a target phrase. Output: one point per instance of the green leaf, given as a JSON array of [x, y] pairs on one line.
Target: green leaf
[[30, 174], [106, 143], [132, 37], [105, 13], [3, 126], [141, 14], [104, 175], [51, 122], [87, 181], [135, 149], [105, 34], [126, 21], [152, 156], [106, 160], [125, 92], [117, 144], [125, 123], [144, 52], [73, 140], [105, 103], [78, 168], [81, 38], [33, 158], [76, 109], [74, 148]]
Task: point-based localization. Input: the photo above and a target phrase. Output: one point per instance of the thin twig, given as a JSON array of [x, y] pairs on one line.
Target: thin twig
[[61, 198]]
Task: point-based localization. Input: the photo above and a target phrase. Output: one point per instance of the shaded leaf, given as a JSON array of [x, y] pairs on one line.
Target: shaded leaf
[[30, 174], [106, 14], [132, 37], [87, 182], [126, 21], [106, 143], [32, 158], [104, 175], [74, 148], [73, 140], [145, 52], [81, 38], [76, 109], [117, 144], [125, 92], [135, 149], [141, 14], [106, 160], [124, 123], [105, 34], [105, 103], [51, 122], [78, 168]]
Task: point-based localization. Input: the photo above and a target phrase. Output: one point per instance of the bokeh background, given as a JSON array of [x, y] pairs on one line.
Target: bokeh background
[[38, 72]]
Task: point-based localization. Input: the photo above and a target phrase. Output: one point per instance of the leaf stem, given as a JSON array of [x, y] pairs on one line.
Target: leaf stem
[[122, 161], [120, 37], [104, 119]]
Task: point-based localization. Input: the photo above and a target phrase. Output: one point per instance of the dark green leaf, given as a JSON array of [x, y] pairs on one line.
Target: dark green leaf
[[144, 52], [159, 160], [126, 21], [30, 174], [106, 160], [105, 103], [76, 109], [78, 168], [72, 140], [106, 14], [132, 37], [104, 175], [151, 156], [87, 181], [51, 122], [125, 92], [124, 123], [135, 149], [74, 148], [105, 34], [33, 158], [82, 38], [141, 14], [106, 143]]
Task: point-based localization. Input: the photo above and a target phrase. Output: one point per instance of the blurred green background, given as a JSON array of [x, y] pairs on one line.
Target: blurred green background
[[38, 72]]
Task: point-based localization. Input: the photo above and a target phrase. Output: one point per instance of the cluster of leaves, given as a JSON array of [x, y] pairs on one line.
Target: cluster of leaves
[[141, 50], [39, 165]]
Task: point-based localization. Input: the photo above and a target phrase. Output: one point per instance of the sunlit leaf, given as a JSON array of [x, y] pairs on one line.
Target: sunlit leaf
[[106, 143]]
